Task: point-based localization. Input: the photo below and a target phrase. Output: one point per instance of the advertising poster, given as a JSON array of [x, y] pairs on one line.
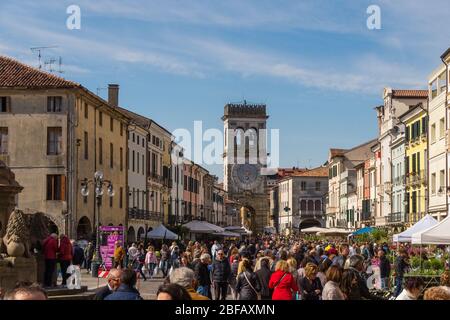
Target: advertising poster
[[108, 237]]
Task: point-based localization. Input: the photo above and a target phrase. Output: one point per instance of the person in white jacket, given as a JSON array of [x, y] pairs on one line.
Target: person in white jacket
[[413, 289]]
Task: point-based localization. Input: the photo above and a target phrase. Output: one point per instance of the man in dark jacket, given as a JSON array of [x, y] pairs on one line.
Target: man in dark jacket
[[221, 272], [401, 266], [385, 269], [126, 290], [77, 255], [264, 275], [112, 285], [202, 276]]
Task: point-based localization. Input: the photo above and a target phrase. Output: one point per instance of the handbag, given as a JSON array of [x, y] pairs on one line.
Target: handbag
[[258, 295]]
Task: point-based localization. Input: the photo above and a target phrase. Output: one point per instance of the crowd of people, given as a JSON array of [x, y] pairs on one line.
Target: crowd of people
[[276, 268], [265, 268]]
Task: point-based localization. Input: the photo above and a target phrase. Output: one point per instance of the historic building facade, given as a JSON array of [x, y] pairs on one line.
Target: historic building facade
[[59, 133]]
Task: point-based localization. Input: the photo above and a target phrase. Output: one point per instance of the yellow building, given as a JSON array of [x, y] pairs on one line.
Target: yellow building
[[167, 175], [416, 155]]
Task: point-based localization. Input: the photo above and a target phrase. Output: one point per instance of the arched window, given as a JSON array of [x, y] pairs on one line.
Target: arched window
[[318, 205], [303, 205], [310, 205], [251, 146]]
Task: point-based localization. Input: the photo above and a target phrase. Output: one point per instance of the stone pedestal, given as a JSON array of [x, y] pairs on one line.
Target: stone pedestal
[[14, 269]]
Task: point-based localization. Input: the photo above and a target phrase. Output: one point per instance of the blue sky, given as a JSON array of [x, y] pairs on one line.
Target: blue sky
[[315, 63]]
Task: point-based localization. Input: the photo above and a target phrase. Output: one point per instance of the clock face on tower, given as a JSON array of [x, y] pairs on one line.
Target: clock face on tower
[[246, 176]]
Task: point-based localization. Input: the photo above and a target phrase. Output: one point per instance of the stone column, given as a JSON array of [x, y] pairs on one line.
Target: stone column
[[9, 188]]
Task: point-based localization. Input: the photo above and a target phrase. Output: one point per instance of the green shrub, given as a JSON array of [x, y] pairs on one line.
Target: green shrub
[[436, 264]]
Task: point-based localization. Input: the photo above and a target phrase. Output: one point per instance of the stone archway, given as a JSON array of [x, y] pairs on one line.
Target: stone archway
[[131, 235], [248, 214], [308, 223], [140, 234], [84, 229]]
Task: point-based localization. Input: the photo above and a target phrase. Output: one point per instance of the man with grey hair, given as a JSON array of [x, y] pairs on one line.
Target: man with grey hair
[[202, 276], [112, 285], [185, 277]]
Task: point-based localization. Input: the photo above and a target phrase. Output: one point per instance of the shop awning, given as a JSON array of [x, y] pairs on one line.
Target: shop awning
[[197, 226]]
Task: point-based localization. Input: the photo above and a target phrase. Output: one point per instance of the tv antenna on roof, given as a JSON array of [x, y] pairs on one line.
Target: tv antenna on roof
[[39, 51]]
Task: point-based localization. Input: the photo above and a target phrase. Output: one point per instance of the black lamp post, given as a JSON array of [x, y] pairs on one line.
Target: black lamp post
[[98, 182]]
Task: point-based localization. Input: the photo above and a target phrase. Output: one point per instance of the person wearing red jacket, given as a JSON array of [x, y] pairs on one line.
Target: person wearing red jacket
[[282, 282], [50, 248], [65, 256]]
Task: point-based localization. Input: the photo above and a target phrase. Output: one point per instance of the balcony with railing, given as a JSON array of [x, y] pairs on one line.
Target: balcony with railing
[[141, 214], [415, 179], [311, 213], [397, 218]]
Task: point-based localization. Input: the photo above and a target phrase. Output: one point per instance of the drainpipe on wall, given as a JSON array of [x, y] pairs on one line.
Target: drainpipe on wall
[[446, 135]]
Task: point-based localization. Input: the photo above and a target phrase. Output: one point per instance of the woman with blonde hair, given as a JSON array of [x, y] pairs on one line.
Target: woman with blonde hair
[[247, 286], [310, 284], [282, 282], [293, 268]]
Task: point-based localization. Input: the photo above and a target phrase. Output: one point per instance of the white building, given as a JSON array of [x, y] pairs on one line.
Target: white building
[[396, 103], [437, 205]]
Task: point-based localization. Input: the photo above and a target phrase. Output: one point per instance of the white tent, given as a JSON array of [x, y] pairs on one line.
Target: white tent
[[197, 226], [240, 230], [437, 234], [424, 223], [162, 232], [312, 230]]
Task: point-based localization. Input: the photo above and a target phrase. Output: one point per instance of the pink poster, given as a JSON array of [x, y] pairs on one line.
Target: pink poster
[[108, 237]]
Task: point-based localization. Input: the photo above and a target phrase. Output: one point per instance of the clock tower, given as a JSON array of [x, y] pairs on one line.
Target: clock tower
[[245, 158]]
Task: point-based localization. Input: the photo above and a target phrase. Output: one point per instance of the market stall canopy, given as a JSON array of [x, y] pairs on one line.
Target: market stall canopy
[[197, 226], [424, 223], [161, 232], [313, 230], [236, 229], [227, 234], [437, 234], [363, 231], [334, 232]]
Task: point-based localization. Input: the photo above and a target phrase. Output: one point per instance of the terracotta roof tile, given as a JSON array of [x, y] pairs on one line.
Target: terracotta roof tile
[[337, 152], [410, 93], [16, 74], [316, 172]]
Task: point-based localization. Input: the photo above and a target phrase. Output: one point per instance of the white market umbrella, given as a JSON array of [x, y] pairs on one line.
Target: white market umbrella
[[197, 226], [313, 230]]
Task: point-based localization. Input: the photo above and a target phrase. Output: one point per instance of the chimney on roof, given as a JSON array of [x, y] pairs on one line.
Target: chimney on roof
[[113, 94]]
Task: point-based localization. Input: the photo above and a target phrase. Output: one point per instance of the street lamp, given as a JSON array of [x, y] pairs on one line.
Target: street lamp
[[98, 182]]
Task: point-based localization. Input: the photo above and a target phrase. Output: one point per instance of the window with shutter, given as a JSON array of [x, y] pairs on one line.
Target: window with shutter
[[3, 140], [54, 140], [5, 104], [418, 161], [54, 104]]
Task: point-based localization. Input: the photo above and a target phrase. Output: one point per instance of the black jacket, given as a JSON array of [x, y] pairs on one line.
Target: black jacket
[[361, 291], [309, 288], [264, 275], [102, 293], [244, 289], [401, 266], [385, 267], [78, 256], [221, 270], [202, 274]]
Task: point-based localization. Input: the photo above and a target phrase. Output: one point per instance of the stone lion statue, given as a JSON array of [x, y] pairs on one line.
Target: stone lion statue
[[17, 237]]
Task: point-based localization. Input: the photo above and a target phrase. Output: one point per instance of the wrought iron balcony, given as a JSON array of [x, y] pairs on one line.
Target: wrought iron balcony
[[396, 217], [141, 214]]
